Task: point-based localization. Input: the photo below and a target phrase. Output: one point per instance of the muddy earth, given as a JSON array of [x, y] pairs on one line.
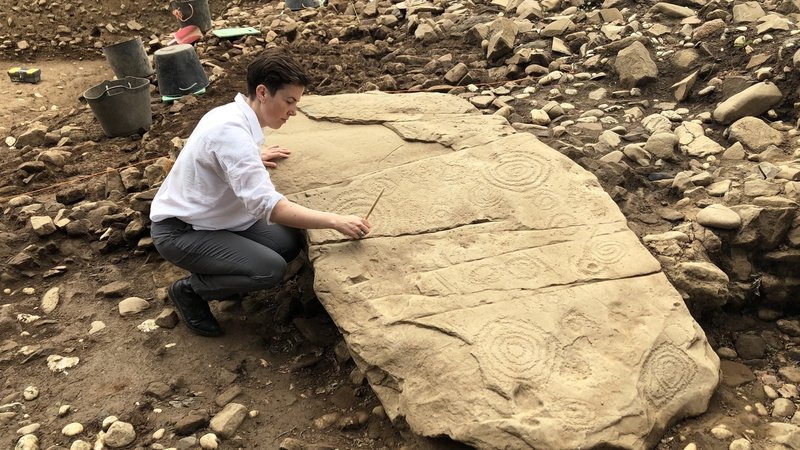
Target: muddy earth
[[70, 359]]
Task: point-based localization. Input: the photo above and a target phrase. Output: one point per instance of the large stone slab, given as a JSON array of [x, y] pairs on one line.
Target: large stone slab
[[501, 299]]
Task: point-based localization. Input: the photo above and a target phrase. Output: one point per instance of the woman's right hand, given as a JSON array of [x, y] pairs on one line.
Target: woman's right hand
[[352, 226]]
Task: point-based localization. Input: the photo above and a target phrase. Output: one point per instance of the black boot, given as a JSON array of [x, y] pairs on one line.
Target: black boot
[[194, 311]]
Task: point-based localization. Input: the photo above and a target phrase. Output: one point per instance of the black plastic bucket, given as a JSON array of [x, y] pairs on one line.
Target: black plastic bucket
[[128, 59], [121, 106], [179, 71], [192, 12]]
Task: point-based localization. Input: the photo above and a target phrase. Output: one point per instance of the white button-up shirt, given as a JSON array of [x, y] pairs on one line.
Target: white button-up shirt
[[218, 181]]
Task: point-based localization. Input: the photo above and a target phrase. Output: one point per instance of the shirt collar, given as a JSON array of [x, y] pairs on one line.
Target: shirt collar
[[252, 119]]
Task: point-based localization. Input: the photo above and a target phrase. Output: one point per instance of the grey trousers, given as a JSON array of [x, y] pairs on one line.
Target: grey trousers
[[224, 263]]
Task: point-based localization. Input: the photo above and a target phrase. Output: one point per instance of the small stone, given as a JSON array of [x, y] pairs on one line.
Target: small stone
[[719, 216], [159, 433], [43, 225], [30, 393], [226, 422], [63, 410], [50, 300], [58, 363], [721, 432], [132, 305], [80, 445], [29, 429], [783, 407], [27, 442], [72, 429], [770, 392], [740, 444], [727, 353], [96, 327], [108, 421], [120, 434], [209, 441]]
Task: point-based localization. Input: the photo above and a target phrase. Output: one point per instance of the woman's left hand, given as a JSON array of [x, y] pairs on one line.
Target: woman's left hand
[[272, 153]]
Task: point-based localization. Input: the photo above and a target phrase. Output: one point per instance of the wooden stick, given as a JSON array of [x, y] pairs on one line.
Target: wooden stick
[[375, 203]]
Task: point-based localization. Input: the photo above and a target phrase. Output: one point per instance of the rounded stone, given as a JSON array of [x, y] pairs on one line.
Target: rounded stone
[[740, 444], [721, 432], [30, 393], [80, 445], [750, 346], [120, 434], [719, 216], [72, 429], [27, 442], [783, 407]]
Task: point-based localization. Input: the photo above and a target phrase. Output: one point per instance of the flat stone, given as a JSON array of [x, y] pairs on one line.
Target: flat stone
[[755, 134], [719, 216], [747, 12], [43, 225], [132, 305], [50, 300], [453, 333], [735, 374]]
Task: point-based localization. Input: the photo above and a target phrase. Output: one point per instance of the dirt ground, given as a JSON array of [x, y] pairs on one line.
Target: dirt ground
[[280, 349]]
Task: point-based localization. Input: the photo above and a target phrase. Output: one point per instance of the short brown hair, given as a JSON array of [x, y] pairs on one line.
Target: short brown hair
[[274, 68]]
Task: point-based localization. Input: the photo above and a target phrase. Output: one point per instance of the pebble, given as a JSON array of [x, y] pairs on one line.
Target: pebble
[[770, 392], [721, 432], [719, 216], [108, 421], [72, 429], [119, 434], [740, 444], [30, 393], [783, 407], [80, 445], [63, 410], [27, 442], [727, 353], [158, 434], [209, 441]]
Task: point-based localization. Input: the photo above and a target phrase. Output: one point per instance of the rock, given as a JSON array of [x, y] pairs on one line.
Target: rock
[[96, 327], [747, 12], [168, 318], [30, 393], [735, 374], [29, 429], [763, 228], [43, 225], [228, 395], [72, 429], [209, 441], [705, 283], [783, 407], [50, 300], [721, 432], [755, 134], [740, 444], [656, 123], [58, 363], [753, 101], [719, 216], [790, 374], [790, 327], [27, 442], [682, 88], [501, 43], [458, 73], [119, 434], [671, 10], [734, 152], [226, 422], [784, 433], [115, 289], [708, 29], [132, 305], [159, 390], [33, 136], [750, 346], [703, 146], [634, 66], [80, 445]]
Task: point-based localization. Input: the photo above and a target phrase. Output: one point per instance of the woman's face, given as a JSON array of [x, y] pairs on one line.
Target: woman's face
[[275, 110]]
